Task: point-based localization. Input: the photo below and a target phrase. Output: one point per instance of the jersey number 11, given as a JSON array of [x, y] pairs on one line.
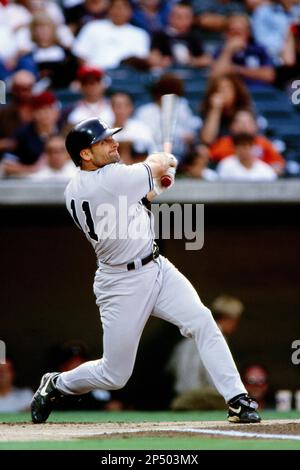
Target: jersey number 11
[[88, 218]]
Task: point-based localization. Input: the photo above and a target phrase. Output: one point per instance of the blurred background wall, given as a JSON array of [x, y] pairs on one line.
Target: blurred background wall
[[250, 251]]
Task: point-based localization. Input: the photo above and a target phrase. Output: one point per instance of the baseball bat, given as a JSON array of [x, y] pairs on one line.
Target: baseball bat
[[169, 108]]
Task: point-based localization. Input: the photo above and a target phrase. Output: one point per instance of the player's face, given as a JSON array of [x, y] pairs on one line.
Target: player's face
[[105, 152]]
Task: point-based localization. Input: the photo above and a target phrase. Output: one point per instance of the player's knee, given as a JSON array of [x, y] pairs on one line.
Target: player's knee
[[206, 315], [119, 382], [203, 319]]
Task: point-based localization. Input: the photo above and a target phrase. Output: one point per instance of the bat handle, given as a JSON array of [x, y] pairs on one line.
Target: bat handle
[[167, 146], [166, 180]]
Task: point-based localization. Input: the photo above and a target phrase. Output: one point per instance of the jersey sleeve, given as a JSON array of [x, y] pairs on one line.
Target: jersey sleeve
[[133, 181]]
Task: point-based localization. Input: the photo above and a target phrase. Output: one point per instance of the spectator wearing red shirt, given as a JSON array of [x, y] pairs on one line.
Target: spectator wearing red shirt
[[244, 122], [244, 164]]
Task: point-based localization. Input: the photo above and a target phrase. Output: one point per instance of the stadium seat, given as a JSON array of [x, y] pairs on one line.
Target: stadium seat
[[67, 96]]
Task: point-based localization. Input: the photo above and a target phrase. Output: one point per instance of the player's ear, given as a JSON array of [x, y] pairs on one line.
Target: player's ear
[[85, 154]]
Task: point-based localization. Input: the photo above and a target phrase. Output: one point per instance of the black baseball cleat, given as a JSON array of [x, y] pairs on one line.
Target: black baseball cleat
[[242, 409], [45, 397]]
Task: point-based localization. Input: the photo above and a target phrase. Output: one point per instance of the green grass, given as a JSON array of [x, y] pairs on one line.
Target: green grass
[[146, 443], [154, 443], [117, 416], [137, 416]]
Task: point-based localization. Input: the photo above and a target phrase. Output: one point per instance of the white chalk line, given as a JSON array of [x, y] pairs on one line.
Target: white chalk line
[[215, 432], [241, 434]]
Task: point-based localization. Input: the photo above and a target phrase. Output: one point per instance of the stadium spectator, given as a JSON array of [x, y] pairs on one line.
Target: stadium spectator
[[244, 121], [286, 73], [241, 55], [12, 398], [195, 164], [193, 386], [58, 165], [178, 44], [79, 14], [48, 58], [256, 380], [187, 125], [135, 134], [271, 23], [224, 96], [31, 138], [19, 111], [115, 37], [8, 43], [244, 164], [151, 15], [93, 102], [53, 10], [46, 6], [212, 14], [14, 15], [138, 151]]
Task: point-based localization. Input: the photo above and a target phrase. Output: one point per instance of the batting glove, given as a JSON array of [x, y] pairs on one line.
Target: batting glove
[[166, 158], [158, 188]]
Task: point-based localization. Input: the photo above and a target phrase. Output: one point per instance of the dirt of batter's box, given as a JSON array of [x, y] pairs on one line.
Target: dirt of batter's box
[[68, 431]]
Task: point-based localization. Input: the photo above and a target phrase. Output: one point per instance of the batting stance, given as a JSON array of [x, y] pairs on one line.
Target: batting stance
[[132, 281]]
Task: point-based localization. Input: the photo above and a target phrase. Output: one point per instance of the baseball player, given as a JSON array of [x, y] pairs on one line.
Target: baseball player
[[132, 282]]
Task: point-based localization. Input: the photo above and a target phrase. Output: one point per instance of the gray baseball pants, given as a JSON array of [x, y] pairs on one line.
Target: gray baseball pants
[[126, 300]]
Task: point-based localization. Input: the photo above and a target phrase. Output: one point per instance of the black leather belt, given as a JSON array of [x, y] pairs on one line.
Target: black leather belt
[[147, 259]]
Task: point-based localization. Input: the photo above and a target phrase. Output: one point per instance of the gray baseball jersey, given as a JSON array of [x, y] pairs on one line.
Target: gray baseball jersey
[[106, 205]]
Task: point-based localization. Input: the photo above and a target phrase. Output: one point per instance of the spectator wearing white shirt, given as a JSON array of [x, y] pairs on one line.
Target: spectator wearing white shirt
[[49, 6], [12, 399], [135, 134], [53, 10], [14, 15], [271, 23], [48, 57], [105, 43], [244, 165], [58, 166], [11, 18], [93, 102]]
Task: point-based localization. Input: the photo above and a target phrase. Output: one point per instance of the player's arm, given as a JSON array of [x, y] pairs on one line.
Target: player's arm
[[135, 181]]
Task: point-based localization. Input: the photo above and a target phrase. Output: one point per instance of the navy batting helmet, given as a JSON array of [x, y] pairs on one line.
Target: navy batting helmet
[[85, 134]]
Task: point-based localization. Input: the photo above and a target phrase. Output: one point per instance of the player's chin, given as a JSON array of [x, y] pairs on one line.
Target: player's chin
[[115, 156]]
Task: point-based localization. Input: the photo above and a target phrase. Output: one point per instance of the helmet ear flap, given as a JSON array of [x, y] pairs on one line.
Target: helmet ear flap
[[73, 146]]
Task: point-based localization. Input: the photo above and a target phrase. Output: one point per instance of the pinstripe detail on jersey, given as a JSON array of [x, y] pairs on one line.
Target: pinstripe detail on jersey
[[151, 185]]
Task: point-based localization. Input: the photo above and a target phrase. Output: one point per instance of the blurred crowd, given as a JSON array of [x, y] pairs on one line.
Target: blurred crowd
[[241, 46]]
